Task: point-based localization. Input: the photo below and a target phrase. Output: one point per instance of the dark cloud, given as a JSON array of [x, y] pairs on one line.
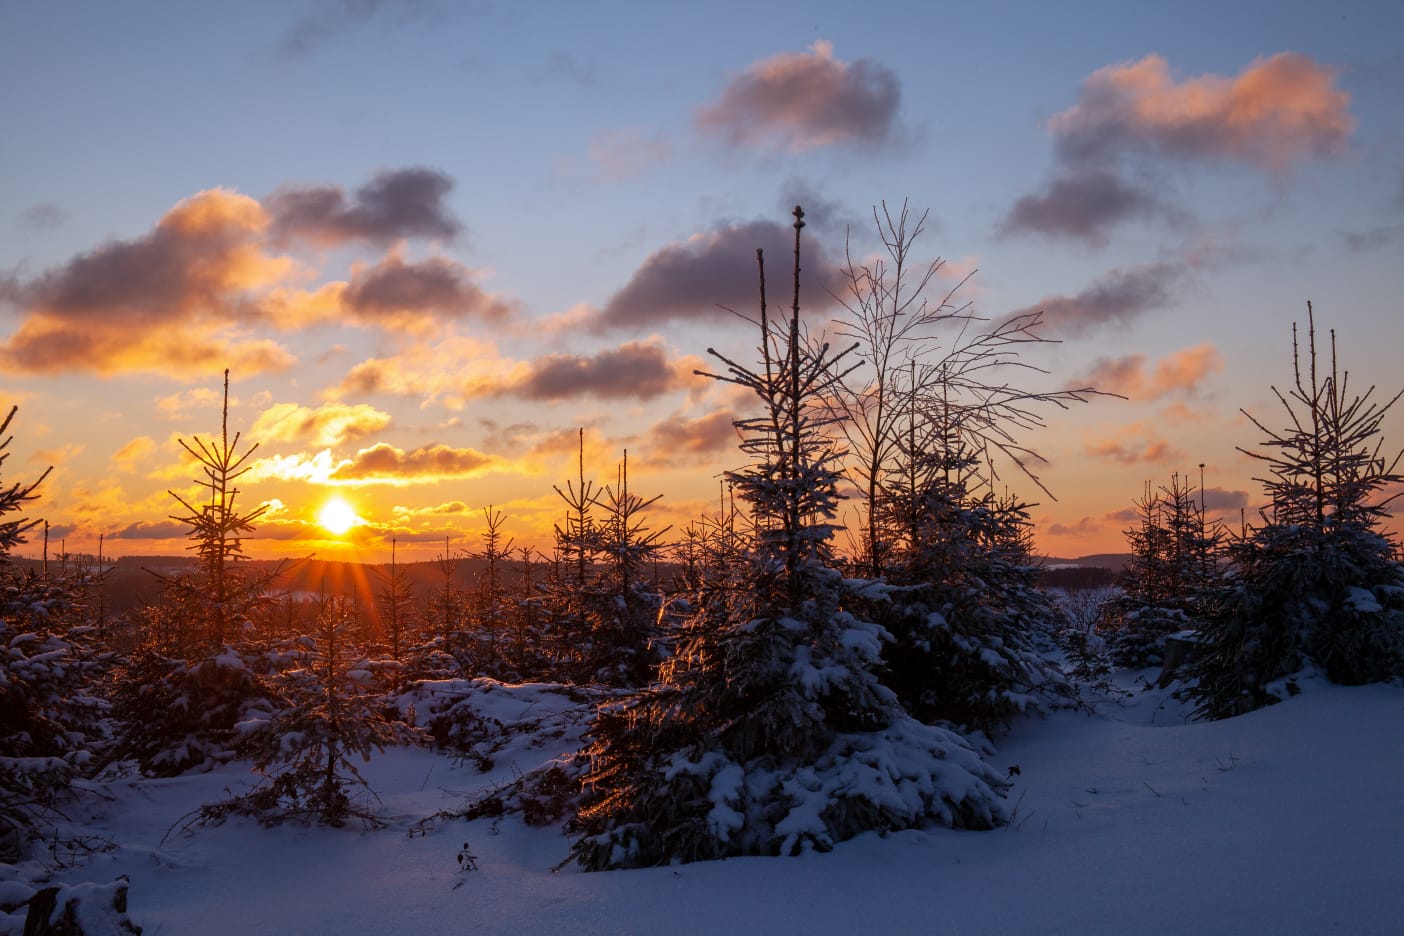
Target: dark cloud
[[386, 463], [1221, 499], [394, 287], [149, 530], [1374, 239], [394, 204], [633, 371], [43, 216], [1276, 111], [806, 100], [693, 281], [328, 19], [1082, 204], [1118, 298]]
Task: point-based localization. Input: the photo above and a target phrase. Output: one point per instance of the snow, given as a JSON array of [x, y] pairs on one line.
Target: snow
[[1288, 820]]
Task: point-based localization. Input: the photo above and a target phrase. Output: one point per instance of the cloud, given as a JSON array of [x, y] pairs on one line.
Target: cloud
[[126, 457], [676, 440], [330, 425], [393, 290], [1117, 298], [175, 299], [567, 67], [691, 281], [627, 152], [386, 464], [1135, 444], [393, 205], [636, 370], [1180, 372], [1276, 111], [151, 530], [1084, 204], [452, 369], [43, 216], [799, 101], [1373, 239], [1222, 499], [820, 213], [380, 464], [331, 18]]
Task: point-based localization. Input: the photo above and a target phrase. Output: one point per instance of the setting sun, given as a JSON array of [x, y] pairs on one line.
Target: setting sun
[[337, 516]]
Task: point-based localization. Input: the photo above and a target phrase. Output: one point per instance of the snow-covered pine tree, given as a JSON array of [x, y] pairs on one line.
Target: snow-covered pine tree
[[1318, 583], [964, 607], [770, 732], [1172, 575], [331, 714], [179, 701], [50, 664]]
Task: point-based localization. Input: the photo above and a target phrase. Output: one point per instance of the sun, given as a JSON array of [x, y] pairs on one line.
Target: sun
[[337, 516]]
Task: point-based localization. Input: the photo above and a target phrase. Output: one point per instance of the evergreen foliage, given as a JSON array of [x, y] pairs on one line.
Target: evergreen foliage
[[769, 731], [1317, 584], [50, 661], [1171, 579], [330, 714]]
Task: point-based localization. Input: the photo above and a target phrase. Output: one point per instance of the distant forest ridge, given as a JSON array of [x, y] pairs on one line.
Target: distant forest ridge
[[130, 583]]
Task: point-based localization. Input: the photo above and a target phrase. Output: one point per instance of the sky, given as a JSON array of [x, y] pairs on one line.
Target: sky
[[433, 242]]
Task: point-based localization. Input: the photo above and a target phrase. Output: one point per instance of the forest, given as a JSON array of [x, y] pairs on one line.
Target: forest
[[762, 682]]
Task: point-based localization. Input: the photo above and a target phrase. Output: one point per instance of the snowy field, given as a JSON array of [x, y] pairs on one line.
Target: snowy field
[[1289, 820]]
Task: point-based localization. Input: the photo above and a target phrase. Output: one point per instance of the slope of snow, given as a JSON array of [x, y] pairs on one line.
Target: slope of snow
[[1289, 820]]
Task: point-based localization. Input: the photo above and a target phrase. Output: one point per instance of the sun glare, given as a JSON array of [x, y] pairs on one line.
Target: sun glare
[[337, 516]]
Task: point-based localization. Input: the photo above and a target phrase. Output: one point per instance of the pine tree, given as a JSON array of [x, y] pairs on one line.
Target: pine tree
[[331, 716], [50, 665], [769, 731], [1317, 583]]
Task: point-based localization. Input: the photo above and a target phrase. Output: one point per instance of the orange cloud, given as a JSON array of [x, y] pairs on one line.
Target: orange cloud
[[1135, 444], [329, 425], [677, 440], [126, 457], [806, 100], [380, 464], [1274, 112], [171, 300], [1180, 372]]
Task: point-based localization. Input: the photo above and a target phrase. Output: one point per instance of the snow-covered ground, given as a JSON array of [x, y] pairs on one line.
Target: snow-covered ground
[[1286, 821]]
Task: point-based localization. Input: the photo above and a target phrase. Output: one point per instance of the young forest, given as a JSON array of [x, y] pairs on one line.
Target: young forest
[[762, 683]]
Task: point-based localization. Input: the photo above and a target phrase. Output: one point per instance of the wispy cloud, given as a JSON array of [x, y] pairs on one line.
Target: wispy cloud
[[1132, 376], [1084, 204], [800, 101], [328, 19], [1117, 298]]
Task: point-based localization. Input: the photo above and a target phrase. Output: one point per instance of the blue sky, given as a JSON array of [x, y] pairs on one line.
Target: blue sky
[[1189, 176]]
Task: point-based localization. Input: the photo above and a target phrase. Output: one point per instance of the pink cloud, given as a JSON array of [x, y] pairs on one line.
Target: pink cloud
[[806, 100]]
